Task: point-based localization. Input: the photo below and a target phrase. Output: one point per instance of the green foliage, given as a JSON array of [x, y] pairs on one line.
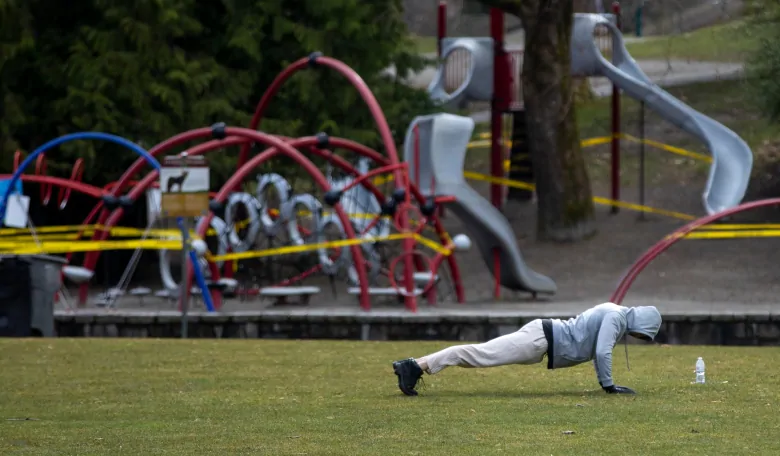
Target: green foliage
[[149, 69], [763, 65]]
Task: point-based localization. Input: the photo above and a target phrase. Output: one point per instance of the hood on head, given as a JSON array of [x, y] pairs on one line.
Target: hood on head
[[645, 320]]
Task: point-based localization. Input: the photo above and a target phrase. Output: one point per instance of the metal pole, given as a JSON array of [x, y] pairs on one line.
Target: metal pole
[[497, 108], [615, 152], [442, 26], [183, 301], [642, 158], [183, 293]]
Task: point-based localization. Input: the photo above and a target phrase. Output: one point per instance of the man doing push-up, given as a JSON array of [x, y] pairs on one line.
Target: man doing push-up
[[591, 335]]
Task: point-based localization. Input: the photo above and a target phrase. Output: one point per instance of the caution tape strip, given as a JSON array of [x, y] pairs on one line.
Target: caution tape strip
[[56, 247], [597, 141], [287, 250], [598, 200], [741, 234]]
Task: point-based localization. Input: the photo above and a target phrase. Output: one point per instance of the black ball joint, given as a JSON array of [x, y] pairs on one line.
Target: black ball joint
[[428, 208], [399, 195], [313, 58], [217, 208], [125, 202], [218, 130], [389, 207], [323, 140], [110, 202], [332, 197]]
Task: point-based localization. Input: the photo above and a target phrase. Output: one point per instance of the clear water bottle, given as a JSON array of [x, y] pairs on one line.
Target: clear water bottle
[[700, 370]]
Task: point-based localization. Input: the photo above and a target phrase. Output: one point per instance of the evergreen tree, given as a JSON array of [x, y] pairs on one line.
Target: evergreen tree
[[148, 69]]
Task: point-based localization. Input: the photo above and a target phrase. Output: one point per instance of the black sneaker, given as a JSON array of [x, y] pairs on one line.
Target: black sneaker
[[409, 373]]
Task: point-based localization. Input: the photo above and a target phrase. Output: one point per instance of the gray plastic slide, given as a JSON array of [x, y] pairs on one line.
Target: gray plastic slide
[[443, 140], [732, 159]]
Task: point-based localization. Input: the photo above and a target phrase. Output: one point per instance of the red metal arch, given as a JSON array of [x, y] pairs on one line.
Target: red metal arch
[[664, 244], [67, 184], [63, 193], [354, 79], [380, 160], [279, 147], [141, 186]]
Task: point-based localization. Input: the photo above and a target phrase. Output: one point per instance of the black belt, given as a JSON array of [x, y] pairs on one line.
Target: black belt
[[548, 334]]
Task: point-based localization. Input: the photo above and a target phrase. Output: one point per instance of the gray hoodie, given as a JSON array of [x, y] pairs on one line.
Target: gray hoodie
[[593, 334]]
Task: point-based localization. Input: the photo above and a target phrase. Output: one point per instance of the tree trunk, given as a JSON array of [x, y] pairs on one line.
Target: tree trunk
[[565, 204]]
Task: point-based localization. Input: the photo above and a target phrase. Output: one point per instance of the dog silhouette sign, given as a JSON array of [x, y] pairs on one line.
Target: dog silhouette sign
[[184, 184]]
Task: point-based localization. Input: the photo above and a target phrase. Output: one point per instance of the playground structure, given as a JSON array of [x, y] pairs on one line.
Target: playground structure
[[351, 206], [732, 159], [370, 223]]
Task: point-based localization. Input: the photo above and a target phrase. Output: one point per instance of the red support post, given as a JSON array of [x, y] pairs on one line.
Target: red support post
[[500, 102], [442, 25], [441, 34], [615, 144]]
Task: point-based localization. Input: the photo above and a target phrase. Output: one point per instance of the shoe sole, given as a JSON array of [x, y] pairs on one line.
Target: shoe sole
[[400, 384]]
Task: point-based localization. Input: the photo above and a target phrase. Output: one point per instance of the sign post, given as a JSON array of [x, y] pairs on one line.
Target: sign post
[[184, 188]]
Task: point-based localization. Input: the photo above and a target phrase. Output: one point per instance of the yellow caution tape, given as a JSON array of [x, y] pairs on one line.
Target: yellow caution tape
[[54, 247], [598, 200], [57, 247], [744, 226], [668, 148], [591, 142], [287, 250], [729, 234]]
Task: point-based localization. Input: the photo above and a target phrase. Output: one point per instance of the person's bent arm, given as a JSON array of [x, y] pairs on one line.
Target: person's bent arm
[[608, 336]]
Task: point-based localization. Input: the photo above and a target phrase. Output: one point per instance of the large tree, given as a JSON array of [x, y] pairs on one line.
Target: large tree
[[565, 204], [148, 69]]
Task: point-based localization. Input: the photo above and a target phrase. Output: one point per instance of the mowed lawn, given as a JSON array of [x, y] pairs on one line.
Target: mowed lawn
[[121, 396]]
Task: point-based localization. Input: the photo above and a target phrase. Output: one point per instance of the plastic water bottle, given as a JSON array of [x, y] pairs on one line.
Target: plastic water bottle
[[700, 370]]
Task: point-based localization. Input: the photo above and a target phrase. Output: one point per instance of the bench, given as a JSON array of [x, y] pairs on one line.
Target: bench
[[281, 294], [424, 278], [226, 285], [140, 292], [77, 274], [108, 298], [383, 291], [166, 294]]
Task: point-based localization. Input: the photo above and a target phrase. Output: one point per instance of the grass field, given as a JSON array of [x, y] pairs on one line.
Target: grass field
[[725, 43], [425, 44], [728, 42], [121, 396]]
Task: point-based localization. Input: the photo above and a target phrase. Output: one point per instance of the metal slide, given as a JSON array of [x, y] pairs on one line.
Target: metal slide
[[443, 140], [732, 159]]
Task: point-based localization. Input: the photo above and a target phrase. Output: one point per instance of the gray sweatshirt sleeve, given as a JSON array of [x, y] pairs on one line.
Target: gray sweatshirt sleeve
[[611, 327]]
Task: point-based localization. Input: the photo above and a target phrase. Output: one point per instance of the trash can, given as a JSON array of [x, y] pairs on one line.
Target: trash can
[[15, 289], [27, 287], [45, 281]]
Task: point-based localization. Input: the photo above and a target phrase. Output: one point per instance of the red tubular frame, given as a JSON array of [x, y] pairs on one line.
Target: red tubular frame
[[615, 143], [312, 60], [345, 70], [441, 17], [62, 184], [279, 146], [664, 244], [354, 79], [68, 184], [311, 142]]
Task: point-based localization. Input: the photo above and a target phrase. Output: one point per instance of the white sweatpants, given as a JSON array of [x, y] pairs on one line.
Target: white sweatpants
[[524, 346]]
